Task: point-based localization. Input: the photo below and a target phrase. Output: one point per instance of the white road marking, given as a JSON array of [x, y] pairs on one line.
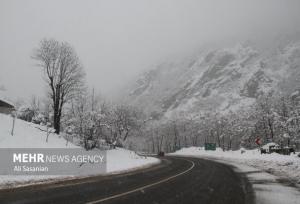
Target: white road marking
[[143, 187]]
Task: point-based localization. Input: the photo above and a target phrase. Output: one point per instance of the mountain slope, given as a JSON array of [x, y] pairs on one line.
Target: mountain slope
[[219, 80]]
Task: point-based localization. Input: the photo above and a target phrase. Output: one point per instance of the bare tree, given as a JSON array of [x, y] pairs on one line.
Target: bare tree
[[63, 73]]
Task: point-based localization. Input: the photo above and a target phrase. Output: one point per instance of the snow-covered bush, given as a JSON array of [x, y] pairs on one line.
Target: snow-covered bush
[[25, 113], [39, 119]]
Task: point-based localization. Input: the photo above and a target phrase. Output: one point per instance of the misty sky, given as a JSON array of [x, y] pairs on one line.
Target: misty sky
[[116, 40]]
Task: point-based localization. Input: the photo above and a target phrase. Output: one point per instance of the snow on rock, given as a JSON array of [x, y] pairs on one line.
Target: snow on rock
[[223, 79]]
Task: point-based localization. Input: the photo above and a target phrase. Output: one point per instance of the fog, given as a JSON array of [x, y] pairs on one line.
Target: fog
[[116, 40]]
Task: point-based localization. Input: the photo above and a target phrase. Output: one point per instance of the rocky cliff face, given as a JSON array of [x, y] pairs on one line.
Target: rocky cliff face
[[219, 80]]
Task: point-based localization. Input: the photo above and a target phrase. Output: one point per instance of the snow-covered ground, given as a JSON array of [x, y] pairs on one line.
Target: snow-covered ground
[[28, 135], [118, 161], [275, 178]]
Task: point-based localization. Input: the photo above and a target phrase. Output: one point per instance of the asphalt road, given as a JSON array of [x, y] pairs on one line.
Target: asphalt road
[[175, 180]]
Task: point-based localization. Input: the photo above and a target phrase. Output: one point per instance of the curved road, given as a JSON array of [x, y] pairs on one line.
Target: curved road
[[175, 180]]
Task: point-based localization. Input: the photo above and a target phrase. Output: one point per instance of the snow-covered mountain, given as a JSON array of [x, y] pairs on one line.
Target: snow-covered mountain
[[221, 79]]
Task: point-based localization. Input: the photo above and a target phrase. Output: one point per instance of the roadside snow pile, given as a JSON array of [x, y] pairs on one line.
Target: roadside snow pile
[[119, 160], [281, 165], [28, 135]]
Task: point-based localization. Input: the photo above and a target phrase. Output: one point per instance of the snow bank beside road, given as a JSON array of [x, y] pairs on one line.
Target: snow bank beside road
[[281, 165], [29, 135], [118, 161], [266, 187], [269, 189]]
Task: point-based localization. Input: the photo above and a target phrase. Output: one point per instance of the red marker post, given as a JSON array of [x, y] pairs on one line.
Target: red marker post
[[258, 141]]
